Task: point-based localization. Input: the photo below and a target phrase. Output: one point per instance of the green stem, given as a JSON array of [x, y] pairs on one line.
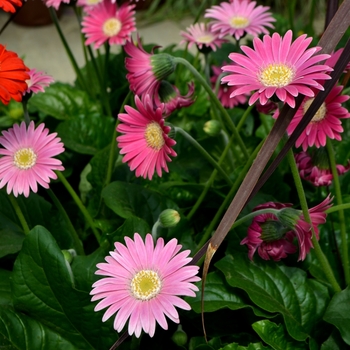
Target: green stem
[[154, 230], [317, 248], [342, 225], [215, 100], [73, 233], [291, 12], [338, 207], [205, 154], [19, 214], [25, 112], [244, 117], [80, 205]]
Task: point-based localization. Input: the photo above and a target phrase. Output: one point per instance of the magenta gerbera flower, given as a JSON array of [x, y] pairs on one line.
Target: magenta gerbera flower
[[28, 158], [143, 283], [37, 81], [108, 22], [145, 142], [239, 18], [277, 66], [146, 70], [203, 36], [325, 123]]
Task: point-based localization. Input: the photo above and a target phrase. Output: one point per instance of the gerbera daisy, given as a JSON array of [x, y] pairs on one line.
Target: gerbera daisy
[[87, 4], [146, 70], [277, 66], [239, 18], [27, 158], [226, 91], [9, 5], [145, 142], [13, 76], [37, 81], [55, 3], [203, 36], [143, 282], [325, 123], [108, 22]]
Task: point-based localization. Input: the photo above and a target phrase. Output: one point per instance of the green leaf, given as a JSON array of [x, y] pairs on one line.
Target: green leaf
[[5, 288], [276, 336], [277, 288], [334, 342], [18, 331], [63, 101], [11, 241], [251, 346], [338, 313], [129, 200], [43, 289]]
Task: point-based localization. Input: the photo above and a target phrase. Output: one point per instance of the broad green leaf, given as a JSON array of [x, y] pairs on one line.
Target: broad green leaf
[[338, 313], [334, 342], [276, 336], [219, 295], [129, 200], [18, 331], [10, 241], [5, 288], [43, 289], [63, 101], [277, 288], [252, 346]]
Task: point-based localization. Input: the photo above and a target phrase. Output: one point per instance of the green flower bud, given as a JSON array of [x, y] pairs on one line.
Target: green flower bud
[[212, 127], [166, 91], [163, 65], [179, 337], [289, 217], [169, 218], [272, 230], [69, 255]]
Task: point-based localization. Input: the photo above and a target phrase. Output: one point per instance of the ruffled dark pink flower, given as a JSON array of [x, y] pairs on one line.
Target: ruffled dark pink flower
[[38, 81], [276, 66], [145, 144], [142, 283]]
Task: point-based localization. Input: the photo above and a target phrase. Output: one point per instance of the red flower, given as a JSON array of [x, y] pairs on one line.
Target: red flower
[[9, 5], [13, 76]]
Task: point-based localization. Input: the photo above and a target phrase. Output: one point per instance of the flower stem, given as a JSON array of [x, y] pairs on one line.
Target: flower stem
[[338, 207], [25, 112], [77, 242], [215, 100], [205, 154], [338, 196], [317, 248], [80, 205], [19, 214]]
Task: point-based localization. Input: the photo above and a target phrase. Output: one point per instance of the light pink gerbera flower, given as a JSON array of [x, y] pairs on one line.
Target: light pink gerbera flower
[[143, 282], [88, 4], [145, 142], [277, 66], [108, 22], [146, 70], [37, 81], [239, 18], [226, 91], [203, 36], [55, 3], [325, 123], [27, 158]]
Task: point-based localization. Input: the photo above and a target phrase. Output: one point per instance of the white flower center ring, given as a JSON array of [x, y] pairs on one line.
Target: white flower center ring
[[277, 75], [24, 158], [319, 115], [111, 27], [239, 22], [154, 136], [145, 285]]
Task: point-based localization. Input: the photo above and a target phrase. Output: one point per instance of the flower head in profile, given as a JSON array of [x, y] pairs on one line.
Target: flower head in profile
[[239, 18], [13, 76], [108, 22], [276, 66], [146, 70], [272, 235], [55, 3], [10, 5], [145, 144], [203, 36], [28, 158], [226, 91], [37, 81], [314, 167], [142, 282], [325, 123]]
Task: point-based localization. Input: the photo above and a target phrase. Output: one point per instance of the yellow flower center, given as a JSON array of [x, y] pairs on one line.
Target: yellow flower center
[[145, 285], [111, 27], [239, 22], [319, 115], [277, 75], [154, 136], [24, 158], [93, 2], [205, 39]]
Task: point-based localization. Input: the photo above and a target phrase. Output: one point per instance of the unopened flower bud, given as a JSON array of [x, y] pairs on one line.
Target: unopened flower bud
[[169, 218], [212, 127], [272, 231], [179, 337], [289, 217], [163, 65], [69, 255]]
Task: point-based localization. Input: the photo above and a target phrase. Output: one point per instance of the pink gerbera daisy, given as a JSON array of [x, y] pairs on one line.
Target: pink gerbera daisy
[[145, 142], [143, 282], [325, 123], [239, 18], [203, 36], [108, 22], [277, 66], [27, 158], [55, 3], [37, 81]]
